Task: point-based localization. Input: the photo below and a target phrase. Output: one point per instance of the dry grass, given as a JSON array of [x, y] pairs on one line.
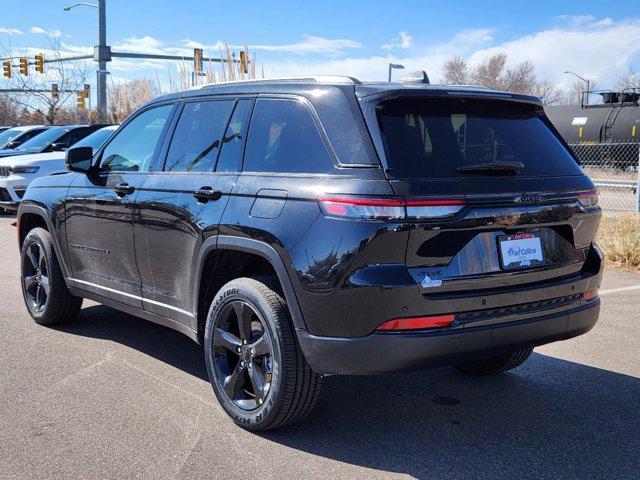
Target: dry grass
[[606, 173], [619, 238]]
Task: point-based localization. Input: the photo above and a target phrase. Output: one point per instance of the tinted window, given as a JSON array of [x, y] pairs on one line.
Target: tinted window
[[284, 138], [196, 140], [43, 140], [7, 136], [432, 138], [233, 141], [77, 134], [132, 149], [96, 139]]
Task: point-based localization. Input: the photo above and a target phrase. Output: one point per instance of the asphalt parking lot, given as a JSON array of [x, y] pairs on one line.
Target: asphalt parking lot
[[112, 396]]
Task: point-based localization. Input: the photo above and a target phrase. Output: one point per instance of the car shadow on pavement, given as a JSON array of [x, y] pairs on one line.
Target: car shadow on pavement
[[549, 418]]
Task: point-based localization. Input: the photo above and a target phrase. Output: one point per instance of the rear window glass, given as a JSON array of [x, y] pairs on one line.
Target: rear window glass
[[432, 138]]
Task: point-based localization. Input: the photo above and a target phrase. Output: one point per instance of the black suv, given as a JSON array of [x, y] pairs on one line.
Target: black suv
[[304, 227]]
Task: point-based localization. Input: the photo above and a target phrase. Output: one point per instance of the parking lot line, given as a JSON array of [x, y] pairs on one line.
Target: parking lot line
[[621, 289]]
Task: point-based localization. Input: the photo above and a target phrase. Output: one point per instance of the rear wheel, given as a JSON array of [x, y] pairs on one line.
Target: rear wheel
[[255, 364], [497, 364], [43, 287]]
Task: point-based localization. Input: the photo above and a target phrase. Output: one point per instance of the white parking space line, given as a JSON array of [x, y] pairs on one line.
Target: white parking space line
[[621, 289]]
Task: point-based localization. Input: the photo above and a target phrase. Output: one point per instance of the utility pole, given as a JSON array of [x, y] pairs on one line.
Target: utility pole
[[101, 53], [102, 63]]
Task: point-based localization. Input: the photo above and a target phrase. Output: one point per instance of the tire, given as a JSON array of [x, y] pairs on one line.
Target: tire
[[497, 364], [57, 304], [292, 388]]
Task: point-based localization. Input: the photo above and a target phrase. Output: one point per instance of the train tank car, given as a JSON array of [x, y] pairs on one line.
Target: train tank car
[[604, 129]]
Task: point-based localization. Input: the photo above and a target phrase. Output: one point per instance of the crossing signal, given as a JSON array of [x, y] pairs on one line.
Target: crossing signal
[[87, 90], [39, 63], [80, 100], [197, 60], [6, 67], [24, 66], [243, 62], [55, 93]]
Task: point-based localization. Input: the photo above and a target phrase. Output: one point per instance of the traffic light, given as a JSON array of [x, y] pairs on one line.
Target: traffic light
[[87, 90], [243, 62], [55, 93], [6, 66], [24, 65], [39, 62], [197, 60], [80, 100]]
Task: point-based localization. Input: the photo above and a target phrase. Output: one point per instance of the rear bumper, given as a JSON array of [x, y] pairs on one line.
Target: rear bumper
[[387, 352]]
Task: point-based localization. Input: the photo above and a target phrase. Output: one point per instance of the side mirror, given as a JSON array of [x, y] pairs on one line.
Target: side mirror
[[79, 159], [57, 147]]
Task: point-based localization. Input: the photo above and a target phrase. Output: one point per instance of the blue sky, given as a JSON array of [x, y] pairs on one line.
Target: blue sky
[[599, 39]]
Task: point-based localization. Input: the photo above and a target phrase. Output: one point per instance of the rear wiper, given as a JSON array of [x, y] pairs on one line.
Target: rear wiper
[[492, 167]]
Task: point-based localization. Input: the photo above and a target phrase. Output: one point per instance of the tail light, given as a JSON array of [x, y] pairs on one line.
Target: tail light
[[590, 295], [417, 323], [589, 199], [389, 208]]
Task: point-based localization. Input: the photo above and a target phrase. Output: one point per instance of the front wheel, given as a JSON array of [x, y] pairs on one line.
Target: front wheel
[[43, 287], [254, 362], [497, 364]]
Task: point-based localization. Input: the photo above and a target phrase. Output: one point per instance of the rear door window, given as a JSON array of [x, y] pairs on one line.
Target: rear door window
[[230, 157], [432, 138], [284, 138], [196, 140]]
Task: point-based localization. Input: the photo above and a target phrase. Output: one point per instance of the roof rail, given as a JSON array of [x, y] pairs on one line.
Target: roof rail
[[462, 85], [316, 79]]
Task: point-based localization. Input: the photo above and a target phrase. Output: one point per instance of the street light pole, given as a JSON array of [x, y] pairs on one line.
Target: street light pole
[[585, 80], [394, 65], [103, 54], [102, 65]]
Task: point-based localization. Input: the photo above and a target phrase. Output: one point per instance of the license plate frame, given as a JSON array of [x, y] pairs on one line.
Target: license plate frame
[[525, 241]]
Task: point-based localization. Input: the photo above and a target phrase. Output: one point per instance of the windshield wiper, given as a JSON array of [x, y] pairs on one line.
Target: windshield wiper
[[492, 167]]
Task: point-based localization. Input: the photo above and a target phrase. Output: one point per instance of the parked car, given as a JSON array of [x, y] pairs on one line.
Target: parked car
[[305, 227], [4, 127], [17, 172], [54, 139], [15, 136]]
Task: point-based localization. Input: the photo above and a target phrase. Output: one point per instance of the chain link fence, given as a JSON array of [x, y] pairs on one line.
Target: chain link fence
[[613, 167]]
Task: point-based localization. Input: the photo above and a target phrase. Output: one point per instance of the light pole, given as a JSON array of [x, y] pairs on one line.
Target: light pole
[[585, 80], [396, 66], [101, 53]]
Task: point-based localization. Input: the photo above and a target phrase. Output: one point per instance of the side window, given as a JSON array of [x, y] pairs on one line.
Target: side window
[[284, 138], [233, 141], [77, 135], [131, 150], [196, 140]]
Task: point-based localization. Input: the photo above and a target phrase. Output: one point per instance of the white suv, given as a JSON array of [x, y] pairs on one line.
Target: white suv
[[16, 173]]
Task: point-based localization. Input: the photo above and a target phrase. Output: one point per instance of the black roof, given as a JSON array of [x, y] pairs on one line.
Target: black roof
[[361, 89]]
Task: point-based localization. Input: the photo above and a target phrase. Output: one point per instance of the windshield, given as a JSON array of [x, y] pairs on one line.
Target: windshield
[[437, 138], [96, 139], [8, 135], [43, 140]]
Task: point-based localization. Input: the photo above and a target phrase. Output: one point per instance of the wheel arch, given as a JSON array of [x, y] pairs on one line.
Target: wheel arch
[[31, 216], [254, 247]]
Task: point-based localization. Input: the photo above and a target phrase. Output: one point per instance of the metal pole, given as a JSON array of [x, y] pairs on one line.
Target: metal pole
[[638, 184], [389, 72], [102, 66]]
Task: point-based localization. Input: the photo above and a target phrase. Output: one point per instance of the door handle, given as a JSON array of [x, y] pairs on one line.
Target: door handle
[[204, 194], [123, 189]]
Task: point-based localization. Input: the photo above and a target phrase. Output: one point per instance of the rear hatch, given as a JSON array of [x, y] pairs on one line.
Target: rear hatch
[[500, 200]]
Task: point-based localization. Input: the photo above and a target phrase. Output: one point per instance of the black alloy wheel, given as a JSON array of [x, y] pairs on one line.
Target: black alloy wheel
[[35, 278], [243, 355]]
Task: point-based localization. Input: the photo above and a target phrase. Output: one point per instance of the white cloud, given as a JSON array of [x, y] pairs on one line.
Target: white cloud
[[312, 44], [54, 33], [11, 31], [403, 40]]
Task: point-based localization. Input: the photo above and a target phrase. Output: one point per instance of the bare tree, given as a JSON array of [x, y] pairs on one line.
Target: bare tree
[[490, 73], [456, 71], [70, 76], [9, 111]]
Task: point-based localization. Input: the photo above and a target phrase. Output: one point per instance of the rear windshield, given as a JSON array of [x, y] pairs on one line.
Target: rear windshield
[[431, 138]]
